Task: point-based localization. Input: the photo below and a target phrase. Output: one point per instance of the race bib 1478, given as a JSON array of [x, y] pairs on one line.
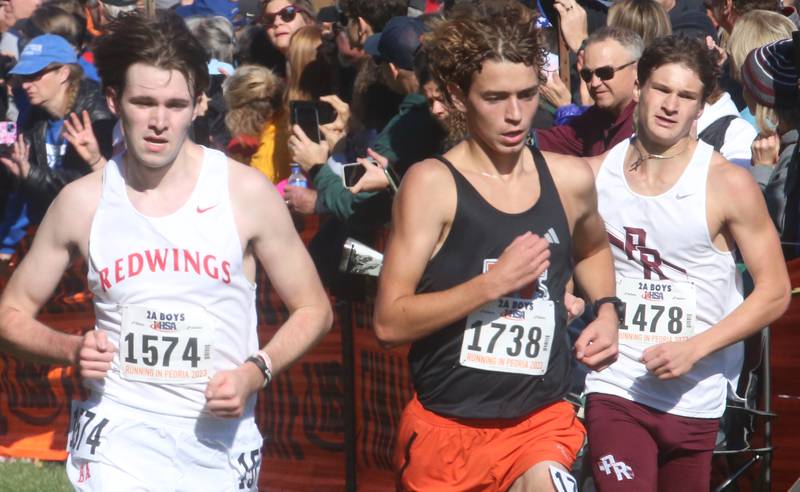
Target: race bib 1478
[[656, 311]]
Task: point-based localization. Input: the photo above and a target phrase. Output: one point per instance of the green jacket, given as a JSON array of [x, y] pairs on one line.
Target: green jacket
[[411, 136]]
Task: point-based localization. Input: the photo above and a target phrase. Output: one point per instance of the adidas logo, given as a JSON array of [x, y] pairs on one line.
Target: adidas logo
[[551, 236]]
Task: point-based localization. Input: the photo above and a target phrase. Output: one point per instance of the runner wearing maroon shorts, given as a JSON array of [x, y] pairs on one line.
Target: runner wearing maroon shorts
[[676, 213], [484, 241]]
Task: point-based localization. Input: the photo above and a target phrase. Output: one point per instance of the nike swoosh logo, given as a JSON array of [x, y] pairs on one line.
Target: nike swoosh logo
[[204, 210], [679, 196]]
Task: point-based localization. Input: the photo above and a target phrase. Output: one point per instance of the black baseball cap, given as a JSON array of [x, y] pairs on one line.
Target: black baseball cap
[[398, 42]]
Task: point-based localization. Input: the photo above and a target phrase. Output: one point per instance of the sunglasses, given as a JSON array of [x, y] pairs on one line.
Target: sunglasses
[[287, 14], [603, 73], [34, 77]]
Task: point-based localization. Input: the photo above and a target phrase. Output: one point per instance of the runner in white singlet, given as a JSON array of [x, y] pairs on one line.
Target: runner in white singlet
[[171, 232], [676, 213]]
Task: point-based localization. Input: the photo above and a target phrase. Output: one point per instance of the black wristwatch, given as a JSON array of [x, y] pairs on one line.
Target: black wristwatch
[[619, 306], [262, 366]]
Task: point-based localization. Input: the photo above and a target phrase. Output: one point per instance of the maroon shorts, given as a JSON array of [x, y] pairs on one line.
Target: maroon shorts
[[633, 447]]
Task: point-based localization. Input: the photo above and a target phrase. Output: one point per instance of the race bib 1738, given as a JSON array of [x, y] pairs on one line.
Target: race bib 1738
[[510, 335]]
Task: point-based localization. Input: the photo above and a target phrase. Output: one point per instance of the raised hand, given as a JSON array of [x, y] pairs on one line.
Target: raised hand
[[305, 151], [79, 133], [18, 163]]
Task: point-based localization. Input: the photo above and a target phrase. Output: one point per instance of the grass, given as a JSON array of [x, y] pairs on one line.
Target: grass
[[33, 476]]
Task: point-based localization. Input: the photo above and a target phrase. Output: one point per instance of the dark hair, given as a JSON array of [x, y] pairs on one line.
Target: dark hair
[[376, 12], [164, 42], [310, 14], [742, 7], [472, 34], [52, 19], [690, 52], [421, 67]]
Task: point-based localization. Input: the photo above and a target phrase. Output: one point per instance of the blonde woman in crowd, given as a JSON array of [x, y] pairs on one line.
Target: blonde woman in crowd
[[254, 96], [647, 18]]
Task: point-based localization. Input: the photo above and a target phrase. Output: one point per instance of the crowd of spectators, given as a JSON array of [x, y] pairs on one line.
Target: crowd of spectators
[[360, 67]]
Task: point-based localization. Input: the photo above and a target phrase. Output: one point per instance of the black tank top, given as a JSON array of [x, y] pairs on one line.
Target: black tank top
[[479, 232]]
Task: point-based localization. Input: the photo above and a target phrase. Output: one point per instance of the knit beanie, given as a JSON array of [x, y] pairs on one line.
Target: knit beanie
[[770, 76]]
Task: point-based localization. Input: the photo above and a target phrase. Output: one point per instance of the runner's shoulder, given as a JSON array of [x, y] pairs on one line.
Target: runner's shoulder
[[728, 180], [79, 197], [426, 175], [570, 173], [249, 185]]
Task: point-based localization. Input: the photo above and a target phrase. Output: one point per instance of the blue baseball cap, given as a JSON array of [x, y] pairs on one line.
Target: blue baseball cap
[[206, 8], [43, 50], [398, 42]]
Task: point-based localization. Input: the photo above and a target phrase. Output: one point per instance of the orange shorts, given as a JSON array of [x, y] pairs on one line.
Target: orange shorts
[[438, 453]]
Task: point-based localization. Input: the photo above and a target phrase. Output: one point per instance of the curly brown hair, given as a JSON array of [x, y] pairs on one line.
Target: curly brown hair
[[502, 30]]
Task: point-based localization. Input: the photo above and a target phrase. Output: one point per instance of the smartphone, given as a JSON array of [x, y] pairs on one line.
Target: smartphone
[[325, 112], [8, 132], [308, 119], [352, 173], [551, 63]]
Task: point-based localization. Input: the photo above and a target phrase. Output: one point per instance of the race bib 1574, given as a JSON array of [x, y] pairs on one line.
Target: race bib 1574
[[166, 346]]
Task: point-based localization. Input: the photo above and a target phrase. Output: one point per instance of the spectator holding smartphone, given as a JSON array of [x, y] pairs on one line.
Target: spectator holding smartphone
[[66, 132]]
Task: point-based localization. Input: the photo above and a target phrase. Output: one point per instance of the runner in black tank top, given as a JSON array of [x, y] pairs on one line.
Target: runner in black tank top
[[479, 233], [475, 274]]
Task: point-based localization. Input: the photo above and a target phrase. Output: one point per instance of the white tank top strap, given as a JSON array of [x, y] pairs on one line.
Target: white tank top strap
[[694, 177], [212, 184], [614, 164]]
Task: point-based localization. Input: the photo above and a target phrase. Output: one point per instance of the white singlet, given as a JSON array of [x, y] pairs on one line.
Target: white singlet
[[171, 295], [675, 283]]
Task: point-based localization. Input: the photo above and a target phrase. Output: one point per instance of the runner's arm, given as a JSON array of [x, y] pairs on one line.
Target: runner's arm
[[594, 266], [423, 207], [34, 281], [263, 220], [293, 275], [747, 220]]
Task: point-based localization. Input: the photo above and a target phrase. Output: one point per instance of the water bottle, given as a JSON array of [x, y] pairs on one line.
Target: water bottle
[[297, 178]]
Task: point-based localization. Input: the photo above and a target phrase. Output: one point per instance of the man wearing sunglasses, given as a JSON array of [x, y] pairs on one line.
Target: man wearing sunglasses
[[282, 18], [609, 72]]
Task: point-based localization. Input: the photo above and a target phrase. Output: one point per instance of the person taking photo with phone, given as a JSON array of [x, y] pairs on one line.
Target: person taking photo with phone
[[414, 133]]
